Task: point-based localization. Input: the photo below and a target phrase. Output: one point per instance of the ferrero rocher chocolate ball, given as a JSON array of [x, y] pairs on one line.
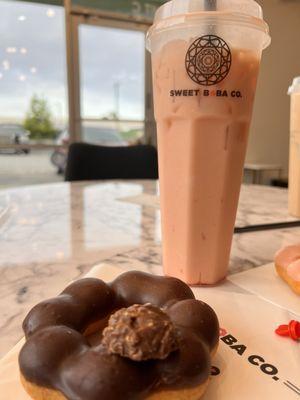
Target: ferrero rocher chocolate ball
[[140, 332]]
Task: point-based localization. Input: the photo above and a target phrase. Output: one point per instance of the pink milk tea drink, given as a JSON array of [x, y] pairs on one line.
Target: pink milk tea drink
[[294, 167], [205, 68]]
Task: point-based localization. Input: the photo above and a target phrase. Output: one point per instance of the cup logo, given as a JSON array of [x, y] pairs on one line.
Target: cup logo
[[208, 60]]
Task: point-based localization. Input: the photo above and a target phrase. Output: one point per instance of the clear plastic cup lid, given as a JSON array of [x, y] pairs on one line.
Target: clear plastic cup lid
[[178, 7], [175, 12], [295, 88]]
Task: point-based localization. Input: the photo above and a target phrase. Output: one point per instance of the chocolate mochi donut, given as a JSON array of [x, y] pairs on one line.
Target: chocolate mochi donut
[[156, 341]]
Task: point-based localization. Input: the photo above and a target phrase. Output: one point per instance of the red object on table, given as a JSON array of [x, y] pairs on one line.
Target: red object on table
[[291, 330]]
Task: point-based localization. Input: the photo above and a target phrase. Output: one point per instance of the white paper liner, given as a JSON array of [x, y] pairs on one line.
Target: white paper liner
[[265, 283], [250, 320]]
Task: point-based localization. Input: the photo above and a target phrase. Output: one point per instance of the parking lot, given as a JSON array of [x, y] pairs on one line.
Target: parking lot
[[27, 169]]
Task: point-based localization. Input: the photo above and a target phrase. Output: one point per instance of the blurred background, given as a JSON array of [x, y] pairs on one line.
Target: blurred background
[[78, 71]]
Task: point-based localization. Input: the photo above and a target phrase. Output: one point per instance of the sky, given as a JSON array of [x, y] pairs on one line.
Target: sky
[[32, 61]]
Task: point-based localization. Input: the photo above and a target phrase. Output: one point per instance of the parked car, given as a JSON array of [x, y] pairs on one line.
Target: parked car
[[101, 136], [12, 134]]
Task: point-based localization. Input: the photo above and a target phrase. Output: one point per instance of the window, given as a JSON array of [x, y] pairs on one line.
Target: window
[[33, 90], [112, 65], [32, 72]]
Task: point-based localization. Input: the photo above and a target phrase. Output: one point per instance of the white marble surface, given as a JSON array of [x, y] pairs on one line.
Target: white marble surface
[[258, 205], [51, 234]]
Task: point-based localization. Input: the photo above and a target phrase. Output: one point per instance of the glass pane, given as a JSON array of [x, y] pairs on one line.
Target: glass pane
[[33, 92], [112, 65], [35, 167], [112, 133]]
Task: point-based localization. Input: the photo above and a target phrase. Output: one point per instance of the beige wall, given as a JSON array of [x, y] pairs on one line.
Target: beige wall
[[269, 137]]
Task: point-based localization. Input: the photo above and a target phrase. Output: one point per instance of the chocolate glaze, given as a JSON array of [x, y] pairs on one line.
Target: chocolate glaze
[[56, 354], [140, 288], [199, 317], [44, 352], [190, 366], [76, 307], [96, 375]]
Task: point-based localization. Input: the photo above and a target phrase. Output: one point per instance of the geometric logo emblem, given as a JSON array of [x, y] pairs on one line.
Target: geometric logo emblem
[[208, 60]]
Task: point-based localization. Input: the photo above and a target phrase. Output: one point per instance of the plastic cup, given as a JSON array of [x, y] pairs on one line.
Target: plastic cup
[[294, 169], [205, 69]]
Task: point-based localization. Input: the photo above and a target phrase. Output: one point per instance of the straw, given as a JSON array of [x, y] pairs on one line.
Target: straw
[[210, 5], [267, 227]]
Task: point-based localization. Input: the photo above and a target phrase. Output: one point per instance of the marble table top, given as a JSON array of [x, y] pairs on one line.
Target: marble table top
[[52, 234]]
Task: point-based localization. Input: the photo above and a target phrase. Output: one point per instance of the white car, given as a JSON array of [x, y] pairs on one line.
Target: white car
[[13, 134]]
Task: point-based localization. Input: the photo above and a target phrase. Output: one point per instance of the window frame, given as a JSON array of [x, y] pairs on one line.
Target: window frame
[[74, 17]]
